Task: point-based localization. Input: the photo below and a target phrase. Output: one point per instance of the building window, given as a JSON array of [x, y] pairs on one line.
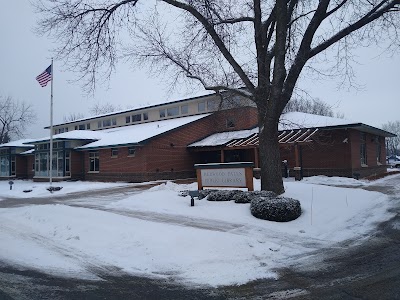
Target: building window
[[230, 123], [184, 109], [99, 124], [131, 151], [173, 111], [5, 165], [114, 152], [211, 105], [82, 127], [114, 121], [106, 122], [137, 118], [94, 161], [67, 163], [162, 113], [88, 126], [145, 116], [76, 127], [201, 106], [66, 129], [127, 119], [12, 165], [363, 148]]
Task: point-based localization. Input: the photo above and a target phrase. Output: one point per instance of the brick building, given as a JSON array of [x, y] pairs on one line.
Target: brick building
[[164, 141]]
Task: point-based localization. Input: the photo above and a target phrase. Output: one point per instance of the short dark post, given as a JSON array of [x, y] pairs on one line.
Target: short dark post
[[11, 184], [191, 201], [285, 168]]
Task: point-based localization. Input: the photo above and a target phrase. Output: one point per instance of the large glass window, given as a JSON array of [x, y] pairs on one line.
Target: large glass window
[[127, 119], [162, 113], [184, 109], [363, 148], [82, 127], [145, 116], [211, 105], [137, 118], [173, 111], [5, 165], [67, 163], [13, 165], [94, 161], [106, 122], [201, 106], [60, 164]]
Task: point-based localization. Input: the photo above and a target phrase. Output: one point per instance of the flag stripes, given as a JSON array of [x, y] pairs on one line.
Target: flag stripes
[[44, 77]]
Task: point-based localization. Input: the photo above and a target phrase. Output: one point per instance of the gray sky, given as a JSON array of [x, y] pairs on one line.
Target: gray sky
[[24, 55]]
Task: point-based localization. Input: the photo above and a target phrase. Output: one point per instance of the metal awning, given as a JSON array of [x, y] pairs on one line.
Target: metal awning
[[284, 137]]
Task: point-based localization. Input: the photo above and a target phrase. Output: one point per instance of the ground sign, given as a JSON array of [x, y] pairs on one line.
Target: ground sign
[[238, 174]]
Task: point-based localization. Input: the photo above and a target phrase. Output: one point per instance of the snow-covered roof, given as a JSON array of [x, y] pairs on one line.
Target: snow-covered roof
[[73, 135], [30, 151], [23, 143], [290, 121], [222, 138], [135, 134], [297, 120]]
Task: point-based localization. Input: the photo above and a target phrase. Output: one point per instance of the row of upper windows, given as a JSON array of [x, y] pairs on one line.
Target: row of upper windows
[[46, 146], [137, 118], [203, 106]]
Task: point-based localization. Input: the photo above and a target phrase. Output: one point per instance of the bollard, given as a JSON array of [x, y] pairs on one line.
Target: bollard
[[11, 184], [193, 194]]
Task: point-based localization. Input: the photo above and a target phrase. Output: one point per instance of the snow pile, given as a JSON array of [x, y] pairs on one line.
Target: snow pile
[[39, 189], [338, 181]]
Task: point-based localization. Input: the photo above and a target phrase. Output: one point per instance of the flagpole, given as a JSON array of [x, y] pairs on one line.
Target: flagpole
[[51, 124]]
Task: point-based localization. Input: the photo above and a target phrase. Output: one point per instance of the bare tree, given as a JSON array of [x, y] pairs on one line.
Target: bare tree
[[261, 46], [15, 116], [73, 117], [315, 106], [100, 109], [393, 144]]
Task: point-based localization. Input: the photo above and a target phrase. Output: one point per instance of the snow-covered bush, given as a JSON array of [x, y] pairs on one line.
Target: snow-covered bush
[[223, 195], [280, 209], [205, 193], [246, 197]]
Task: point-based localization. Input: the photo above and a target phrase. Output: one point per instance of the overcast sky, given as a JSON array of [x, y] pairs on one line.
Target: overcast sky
[[24, 55]]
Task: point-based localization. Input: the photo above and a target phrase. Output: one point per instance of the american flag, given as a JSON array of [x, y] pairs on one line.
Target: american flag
[[44, 77]]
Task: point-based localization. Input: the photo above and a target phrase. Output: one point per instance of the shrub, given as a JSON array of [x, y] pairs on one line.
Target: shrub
[[246, 197], [223, 195], [279, 209], [205, 193]]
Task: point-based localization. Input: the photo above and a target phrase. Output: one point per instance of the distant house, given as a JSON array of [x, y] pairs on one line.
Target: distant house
[[164, 141]]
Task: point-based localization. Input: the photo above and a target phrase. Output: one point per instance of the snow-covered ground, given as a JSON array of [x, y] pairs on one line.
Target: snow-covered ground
[[157, 233]]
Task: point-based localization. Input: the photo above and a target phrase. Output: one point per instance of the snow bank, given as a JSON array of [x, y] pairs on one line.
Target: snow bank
[[39, 189], [157, 233]]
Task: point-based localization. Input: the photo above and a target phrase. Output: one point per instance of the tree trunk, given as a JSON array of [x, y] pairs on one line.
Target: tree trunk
[[270, 158]]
